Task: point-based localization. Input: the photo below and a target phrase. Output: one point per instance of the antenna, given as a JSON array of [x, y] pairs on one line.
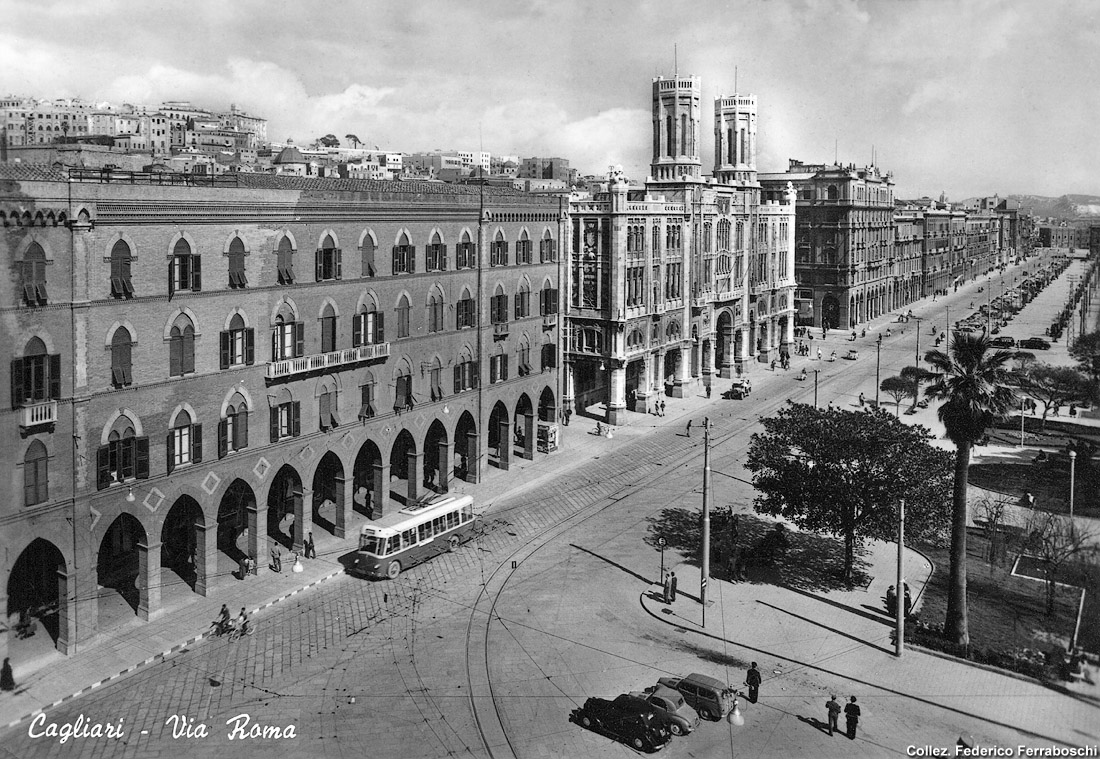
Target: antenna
[[675, 62], [835, 153], [734, 80]]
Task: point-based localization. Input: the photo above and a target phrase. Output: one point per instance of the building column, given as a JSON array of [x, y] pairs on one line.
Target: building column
[[303, 518], [344, 488], [659, 372], [446, 453], [206, 559], [257, 534], [504, 450], [729, 355], [380, 494], [67, 611], [529, 436], [645, 392], [682, 377], [567, 397], [473, 458], [616, 402], [415, 463], [148, 580]]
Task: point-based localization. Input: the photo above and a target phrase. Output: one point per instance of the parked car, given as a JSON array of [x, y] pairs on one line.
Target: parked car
[[1003, 342], [627, 718], [852, 354], [712, 698], [681, 718], [1034, 343]]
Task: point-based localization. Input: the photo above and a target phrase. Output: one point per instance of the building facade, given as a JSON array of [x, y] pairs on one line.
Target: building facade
[[202, 369], [684, 279]]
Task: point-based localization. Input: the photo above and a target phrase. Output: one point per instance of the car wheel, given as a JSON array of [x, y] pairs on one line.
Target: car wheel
[[706, 713], [586, 720], [452, 543], [637, 743], [676, 729], [393, 570]]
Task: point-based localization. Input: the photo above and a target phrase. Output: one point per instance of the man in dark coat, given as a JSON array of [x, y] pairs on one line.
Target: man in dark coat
[[668, 589], [7, 677], [832, 706], [851, 716], [672, 584], [752, 679]]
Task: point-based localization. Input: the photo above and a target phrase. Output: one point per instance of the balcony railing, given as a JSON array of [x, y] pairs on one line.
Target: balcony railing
[[287, 367], [549, 321], [38, 413], [500, 328], [702, 298]]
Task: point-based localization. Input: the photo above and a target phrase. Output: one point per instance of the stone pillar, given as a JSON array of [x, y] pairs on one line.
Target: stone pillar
[[303, 518], [504, 450], [473, 458], [616, 406], [445, 453], [206, 559], [344, 489], [682, 376], [415, 465], [257, 535], [66, 611], [643, 395], [529, 436], [148, 580], [567, 398], [659, 371], [380, 494]]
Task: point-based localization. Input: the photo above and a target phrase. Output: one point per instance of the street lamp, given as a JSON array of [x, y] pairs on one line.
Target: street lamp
[[816, 372], [878, 358], [1072, 466]]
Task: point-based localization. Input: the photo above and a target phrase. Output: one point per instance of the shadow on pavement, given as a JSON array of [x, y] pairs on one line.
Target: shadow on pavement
[[630, 572], [825, 627], [815, 723], [866, 612], [811, 562]]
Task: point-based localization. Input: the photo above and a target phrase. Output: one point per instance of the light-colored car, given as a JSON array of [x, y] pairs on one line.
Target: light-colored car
[[682, 719], [712, 698]]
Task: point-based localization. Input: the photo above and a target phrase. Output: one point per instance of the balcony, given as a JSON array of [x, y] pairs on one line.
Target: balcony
[[500, 329], [38, 413], [333, 359], [702, 298], [549, 321]]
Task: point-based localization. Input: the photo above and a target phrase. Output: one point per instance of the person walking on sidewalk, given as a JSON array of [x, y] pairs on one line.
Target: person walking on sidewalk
[[672, 586], [668, 589], [851, 716], [708, 392], [832, 706], [276, 559], [752, 679], [311, 549], [689, 428], [661, 404], [7, 677], [861, 400]]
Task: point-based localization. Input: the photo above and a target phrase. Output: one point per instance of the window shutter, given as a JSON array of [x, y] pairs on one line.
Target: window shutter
[[196, 443], [196, 272], [458, 378], [223, 438], [399, 393], [102, 467], [357, 330], [296, 418], [170, 448], [240, 431], [503, 367], [250, 346], [317, 267], [223, 344], [171, 276], [299, 339], [394, 268], [188, 352], [141, 461], [379, 328], [324, 407], [274, 424], [339, 263], [55, 376], [412, 258], [17, 389], [175, 356]]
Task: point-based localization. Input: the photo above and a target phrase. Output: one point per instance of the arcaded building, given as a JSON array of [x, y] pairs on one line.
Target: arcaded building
[[688, 278], [200, 370]]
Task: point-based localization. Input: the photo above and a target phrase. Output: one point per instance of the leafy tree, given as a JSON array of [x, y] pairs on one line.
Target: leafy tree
[[971, 380], [915, 375], [1056, 385], [329, 141], [355, 141], [1084, 348], [844, 472], [897, 388], [1058, 540], [1024, 360]]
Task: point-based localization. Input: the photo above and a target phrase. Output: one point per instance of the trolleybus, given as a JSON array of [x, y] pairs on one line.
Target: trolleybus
[[411, 535]]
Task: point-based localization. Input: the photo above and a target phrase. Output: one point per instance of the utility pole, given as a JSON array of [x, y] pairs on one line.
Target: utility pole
[[899, 644], [878, 364], [815, 386], [706, 518]]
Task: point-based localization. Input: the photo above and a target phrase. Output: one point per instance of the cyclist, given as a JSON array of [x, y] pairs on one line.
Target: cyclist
[[223, 623], [243, 624]]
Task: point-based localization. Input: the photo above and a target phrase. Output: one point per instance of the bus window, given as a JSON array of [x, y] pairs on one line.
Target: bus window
[[374, 545], [408, 538], [425, 532], [467, 513], [393, 545], [437, 525], [452, 520]]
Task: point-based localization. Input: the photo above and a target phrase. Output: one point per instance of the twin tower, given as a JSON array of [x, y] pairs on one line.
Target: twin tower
[[676, 116]]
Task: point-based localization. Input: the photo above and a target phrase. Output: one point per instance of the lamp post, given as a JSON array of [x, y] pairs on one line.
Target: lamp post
[[1072, 466], [816, 372], [706, 518], [878, 362], [899, 644]]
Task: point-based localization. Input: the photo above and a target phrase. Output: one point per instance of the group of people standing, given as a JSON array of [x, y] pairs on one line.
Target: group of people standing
[[851, 715]]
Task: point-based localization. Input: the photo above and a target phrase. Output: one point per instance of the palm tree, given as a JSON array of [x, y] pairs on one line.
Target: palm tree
[[971, 382]]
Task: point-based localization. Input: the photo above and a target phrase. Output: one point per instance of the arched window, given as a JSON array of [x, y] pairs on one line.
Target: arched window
[[328, 329], [285, 261], [498, 250], [237, 344], [327, 260], [237, 278], [124, 457], [435, 378], [465, 311], [184, 444], [121, 358], [33, 276], [404, 256], [707, 242], [523, 248], [181, 347], [548, 251], [466, 253], [435, 311], [670, 145], [327, 406], [36, 377], [367, 328], [36, 476], [523, 301], [498, 365], [121, 285], [548, 299], [831, 192], [437, 254], [403, 390], [465, 372], [498, 307], [185, 269], [367, 253], [523, 365], [403, 317], [233, 430]]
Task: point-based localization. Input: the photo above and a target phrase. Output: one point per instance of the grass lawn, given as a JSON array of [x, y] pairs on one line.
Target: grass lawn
[[1005, 612]]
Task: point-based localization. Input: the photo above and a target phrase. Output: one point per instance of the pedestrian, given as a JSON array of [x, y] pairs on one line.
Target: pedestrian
[[7, 677], [818, 354], [752, 679], [851, 716], [662, 404], [708, 392], [891, 601], [672, 586], [773, 365], [689, 428], [861, 400], [568, 413], [908, 603], [311, 549], [832, 706], [668, 588], [276, 559]]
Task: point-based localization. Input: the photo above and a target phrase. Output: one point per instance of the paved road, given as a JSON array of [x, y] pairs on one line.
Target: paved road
[[467, 655]]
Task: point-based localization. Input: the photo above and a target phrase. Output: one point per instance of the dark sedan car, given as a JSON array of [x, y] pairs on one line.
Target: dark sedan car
[[626, 718], [1034, 343]]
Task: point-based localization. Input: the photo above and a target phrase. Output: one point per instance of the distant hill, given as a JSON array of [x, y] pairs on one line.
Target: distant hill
[[1064, 207]]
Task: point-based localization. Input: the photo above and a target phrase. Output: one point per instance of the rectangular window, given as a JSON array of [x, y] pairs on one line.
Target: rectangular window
[[34, 283], [549, 357], [402, 321], [548, 302], [366, 403], [403, 394], [403, 259], [437, 257], [498, 368], [237, 277], [465, 316], [367, 329], [121, 283], [465, 376], [466, 255], [523, 252], [548, 251], [185, 273], [437, 383], [233, 433], [35, 379], [435, 316], [498, 253], [237, 348], [328, 264], [121, 460], [523, 304], [285, 421], [327, 411], [288, 341], [498, 309], [286, 267], [523, 366], [328, 334], [35, 481], [184, 446]]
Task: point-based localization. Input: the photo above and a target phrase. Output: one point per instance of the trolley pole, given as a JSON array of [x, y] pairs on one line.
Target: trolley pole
[[899, 644], [706, 518]]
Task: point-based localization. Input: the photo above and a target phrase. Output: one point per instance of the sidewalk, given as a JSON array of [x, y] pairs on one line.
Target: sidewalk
[[53, 678]]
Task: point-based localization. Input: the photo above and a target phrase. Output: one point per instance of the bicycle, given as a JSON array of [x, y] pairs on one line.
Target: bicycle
[[236, 632], [219, 628]]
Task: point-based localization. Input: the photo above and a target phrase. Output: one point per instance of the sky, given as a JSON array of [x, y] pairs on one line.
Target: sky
[[966, 97]]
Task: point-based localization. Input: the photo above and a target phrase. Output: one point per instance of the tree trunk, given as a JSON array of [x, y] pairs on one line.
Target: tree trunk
[[956, 627], [849, 554]]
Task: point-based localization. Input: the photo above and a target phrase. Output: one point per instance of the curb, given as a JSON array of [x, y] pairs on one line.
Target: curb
[[161, 656]]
